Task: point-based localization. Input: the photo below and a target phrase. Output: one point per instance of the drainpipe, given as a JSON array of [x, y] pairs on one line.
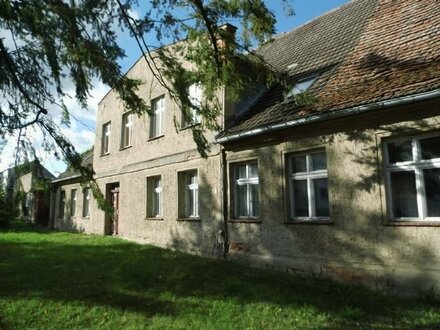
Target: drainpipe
[[224, 202]]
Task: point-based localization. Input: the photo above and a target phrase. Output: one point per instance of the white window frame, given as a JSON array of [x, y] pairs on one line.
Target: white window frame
[[73, 201], [86, 202], [186, 191], [247, 181], [309, 175], [106, 132], [154, 196], [195, 94], [127, 126], [157, 120], [417, 165]]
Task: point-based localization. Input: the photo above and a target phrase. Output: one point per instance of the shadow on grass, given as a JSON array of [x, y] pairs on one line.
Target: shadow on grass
[[143, 279]]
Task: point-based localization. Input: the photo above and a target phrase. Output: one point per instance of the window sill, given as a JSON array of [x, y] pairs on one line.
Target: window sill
[[126, 147], [189, 220], [412, 223], [154, 218], [309, 222], [245, 220], [106, 154], [156, 137], [86, 218]]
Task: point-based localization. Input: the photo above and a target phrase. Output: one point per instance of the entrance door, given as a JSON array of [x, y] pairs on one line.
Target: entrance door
[[111, 225], [115, 205]]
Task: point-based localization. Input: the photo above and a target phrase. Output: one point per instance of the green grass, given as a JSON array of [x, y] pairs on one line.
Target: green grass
[[52, 280]]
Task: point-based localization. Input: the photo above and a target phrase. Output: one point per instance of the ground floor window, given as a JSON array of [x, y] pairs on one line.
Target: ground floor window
[[86, 202], [246, 190], [62, 204], [154, 197], [73, 202], [307, 185], [413, 178], [188, 194]]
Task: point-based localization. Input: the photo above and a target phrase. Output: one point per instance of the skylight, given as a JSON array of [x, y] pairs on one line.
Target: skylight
[[300, 87]]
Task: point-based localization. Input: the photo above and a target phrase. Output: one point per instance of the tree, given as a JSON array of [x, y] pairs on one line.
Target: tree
[[54, 41]]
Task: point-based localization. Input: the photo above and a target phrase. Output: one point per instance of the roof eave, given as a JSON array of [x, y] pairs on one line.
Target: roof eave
[[334, 114]]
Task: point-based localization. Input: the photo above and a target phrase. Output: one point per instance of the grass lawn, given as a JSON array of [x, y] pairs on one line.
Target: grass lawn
[[53, 280]]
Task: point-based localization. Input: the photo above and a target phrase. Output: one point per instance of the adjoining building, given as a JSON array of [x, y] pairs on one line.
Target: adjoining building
[[337, 175]]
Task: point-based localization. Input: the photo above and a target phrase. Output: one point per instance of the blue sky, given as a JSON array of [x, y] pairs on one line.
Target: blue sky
[[82, 129]]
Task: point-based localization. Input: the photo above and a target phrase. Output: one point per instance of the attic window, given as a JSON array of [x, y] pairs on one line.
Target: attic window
[[300, 87]]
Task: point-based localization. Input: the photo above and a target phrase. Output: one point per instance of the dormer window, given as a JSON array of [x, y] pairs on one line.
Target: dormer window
[[300, 87]]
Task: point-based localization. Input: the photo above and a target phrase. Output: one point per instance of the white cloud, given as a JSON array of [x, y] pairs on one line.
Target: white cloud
[[81, 132]]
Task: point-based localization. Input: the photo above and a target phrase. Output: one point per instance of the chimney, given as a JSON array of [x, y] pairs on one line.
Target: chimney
[[226, 35]]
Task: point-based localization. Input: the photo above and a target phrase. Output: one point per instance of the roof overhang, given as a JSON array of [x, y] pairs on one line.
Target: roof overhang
[[403, 100]]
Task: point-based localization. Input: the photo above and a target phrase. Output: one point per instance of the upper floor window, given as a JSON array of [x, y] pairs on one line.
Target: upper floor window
[[413, 178], [73, 197], [127, 129], [154, 197], [188, 194], [195, 94], [307, 186], [157, 119], [246, 190], [106, 131], [87, 195]]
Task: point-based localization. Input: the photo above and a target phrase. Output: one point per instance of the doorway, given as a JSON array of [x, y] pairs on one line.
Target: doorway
[[113, 199]]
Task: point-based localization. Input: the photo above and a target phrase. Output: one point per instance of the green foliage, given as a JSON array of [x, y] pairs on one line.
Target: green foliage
[[7, 210], [73, 281]]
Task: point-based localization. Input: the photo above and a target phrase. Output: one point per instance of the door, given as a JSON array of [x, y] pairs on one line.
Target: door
[[115, 205]]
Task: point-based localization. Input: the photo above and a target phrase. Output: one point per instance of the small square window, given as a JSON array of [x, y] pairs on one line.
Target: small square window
[[127, 129], [188, 194], [158, 117], [154, 197]]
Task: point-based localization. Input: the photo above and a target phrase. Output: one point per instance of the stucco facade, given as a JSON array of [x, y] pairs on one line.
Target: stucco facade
[[305, 188], [359, 241]]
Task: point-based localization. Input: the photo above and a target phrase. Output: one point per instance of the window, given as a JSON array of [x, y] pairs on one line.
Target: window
[[157, 119], [73, 202], [188, 194], [300, 87], [127, 129], [307, 186], [62, 204], [195, 96], [154, 197], [86, 202], [106, 131], [413, 178], [246, 190]]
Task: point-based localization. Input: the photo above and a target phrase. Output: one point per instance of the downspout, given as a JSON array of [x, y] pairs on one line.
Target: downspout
[[224, 202]]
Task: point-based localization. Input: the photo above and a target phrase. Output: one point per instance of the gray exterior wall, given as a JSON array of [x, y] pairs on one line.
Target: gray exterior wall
[[76, 221], [128, 168], [359, 243]]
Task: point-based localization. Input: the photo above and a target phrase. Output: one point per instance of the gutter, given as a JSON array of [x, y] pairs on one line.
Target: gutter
[[335, 114], [67, 178]]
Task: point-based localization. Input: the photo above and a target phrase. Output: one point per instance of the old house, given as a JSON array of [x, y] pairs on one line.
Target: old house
[[26, 189], [334, 172]]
